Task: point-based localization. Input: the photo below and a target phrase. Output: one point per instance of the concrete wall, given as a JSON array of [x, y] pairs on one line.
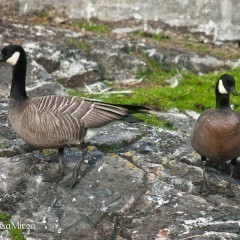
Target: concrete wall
[[219, 18]]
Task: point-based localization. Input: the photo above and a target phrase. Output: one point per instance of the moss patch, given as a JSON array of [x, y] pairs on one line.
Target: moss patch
[[198, 47], [194, 92], [91, 27], [80, 44], [15, 234], [154, 36]]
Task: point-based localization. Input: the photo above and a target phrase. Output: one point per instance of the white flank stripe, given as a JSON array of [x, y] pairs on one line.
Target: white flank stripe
[[79, 107], [88, 111], [70, 104]]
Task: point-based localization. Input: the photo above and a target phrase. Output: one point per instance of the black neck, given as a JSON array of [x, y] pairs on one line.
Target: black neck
[[222, 100], [18, 91]]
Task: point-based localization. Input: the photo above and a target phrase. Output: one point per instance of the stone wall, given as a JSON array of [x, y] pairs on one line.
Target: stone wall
[[218, 18]]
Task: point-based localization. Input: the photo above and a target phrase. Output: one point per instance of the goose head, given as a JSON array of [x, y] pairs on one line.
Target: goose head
[[224, 87], [16, 57], [12, 54]]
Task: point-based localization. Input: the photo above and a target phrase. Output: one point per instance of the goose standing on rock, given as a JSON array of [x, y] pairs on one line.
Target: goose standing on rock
[[216, 135], [57, 121]]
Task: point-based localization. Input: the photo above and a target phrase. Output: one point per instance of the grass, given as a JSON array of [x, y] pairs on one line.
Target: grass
[[155, 74], [15, 234], [194, 92]]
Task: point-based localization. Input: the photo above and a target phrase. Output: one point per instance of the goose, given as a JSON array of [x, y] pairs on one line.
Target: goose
[[216, 134], [57, 121]]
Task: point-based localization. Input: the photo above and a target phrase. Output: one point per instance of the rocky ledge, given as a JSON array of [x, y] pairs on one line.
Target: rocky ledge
[[137, 182]]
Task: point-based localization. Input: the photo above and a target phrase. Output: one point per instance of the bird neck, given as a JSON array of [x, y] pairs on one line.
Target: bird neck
[[223, 101], [18, 91]]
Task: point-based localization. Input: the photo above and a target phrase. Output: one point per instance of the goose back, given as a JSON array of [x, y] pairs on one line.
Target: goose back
[[216, 134], [59, 121]]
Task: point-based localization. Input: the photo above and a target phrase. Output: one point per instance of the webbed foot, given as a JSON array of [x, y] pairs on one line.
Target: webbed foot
[[204, 188]]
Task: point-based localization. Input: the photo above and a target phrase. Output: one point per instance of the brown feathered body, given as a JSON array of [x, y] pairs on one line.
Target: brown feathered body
[[60, 121], [57, 121], [216, 135]]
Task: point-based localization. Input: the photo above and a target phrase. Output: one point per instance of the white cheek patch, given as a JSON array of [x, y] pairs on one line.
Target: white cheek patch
[[13, 59], [221, 88]]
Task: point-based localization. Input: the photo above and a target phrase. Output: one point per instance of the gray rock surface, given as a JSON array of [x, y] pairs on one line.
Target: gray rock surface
[[137, 182], [218, 19], [107, 57]]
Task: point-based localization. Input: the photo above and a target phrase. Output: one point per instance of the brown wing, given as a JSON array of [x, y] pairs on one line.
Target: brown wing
[[88, 113]]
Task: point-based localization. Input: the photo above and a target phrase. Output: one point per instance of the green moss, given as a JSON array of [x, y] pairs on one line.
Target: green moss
[[80, 44], [1, 148], [97, 28], [110, 147], [156, 37], [237, 56], [199, 47], [48, 151], [154, 121], [16, 234], [194, 92], [155, 74], [45, 14]]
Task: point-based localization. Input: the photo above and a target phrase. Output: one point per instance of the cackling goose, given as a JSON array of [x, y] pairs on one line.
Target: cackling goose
[[216, 134], [56, 121]]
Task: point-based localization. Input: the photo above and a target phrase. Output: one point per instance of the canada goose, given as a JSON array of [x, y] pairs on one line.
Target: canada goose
[[216, 134], [56, 121]]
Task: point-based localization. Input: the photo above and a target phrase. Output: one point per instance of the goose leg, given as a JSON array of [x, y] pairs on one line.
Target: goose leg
[[204, 187], [76, 171], [61, 170], [230, 192]]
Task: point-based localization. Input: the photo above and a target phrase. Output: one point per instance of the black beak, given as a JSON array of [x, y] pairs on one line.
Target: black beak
[[234, 92]]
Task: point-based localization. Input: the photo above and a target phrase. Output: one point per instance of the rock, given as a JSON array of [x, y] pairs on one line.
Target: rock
[[218, 20], [173, 81], [181, 121], [134, 175], [124, 30], [97, 87]]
